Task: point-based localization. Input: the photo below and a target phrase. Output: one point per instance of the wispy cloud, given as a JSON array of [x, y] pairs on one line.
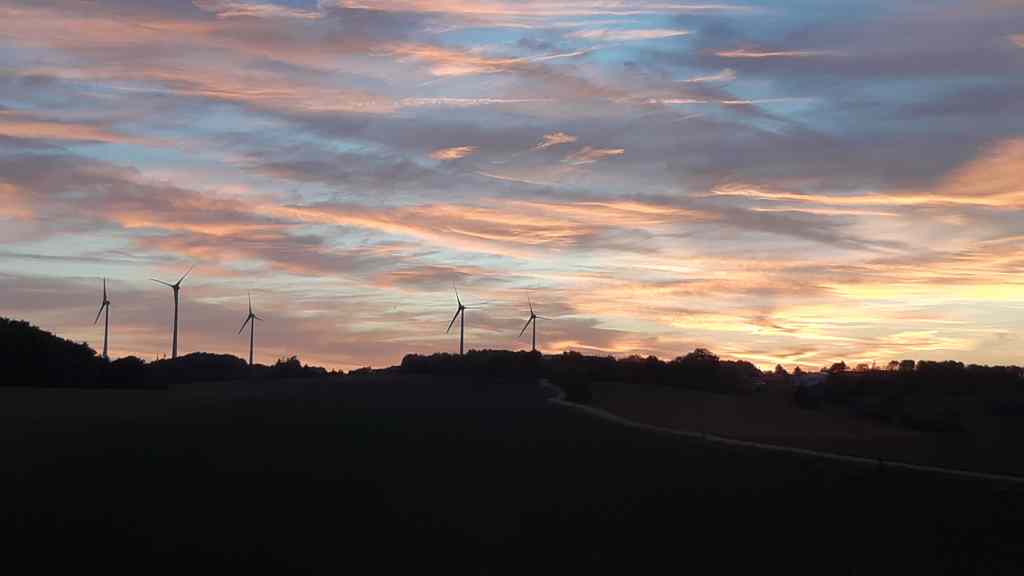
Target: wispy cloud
[[543, 8], [753, 102], [18, 125], [554, 139], [238, 9], [759, 54], [988, 181], [452, 102], [589, 155], [606, 35], [726, 75], [452, 153]]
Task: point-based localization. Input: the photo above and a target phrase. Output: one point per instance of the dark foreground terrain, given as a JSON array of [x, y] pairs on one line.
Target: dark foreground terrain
[[464, 476]]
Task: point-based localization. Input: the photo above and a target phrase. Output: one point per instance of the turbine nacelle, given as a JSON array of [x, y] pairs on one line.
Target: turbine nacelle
[[177, 285], [461, 309], [250, 317], [105, 303]]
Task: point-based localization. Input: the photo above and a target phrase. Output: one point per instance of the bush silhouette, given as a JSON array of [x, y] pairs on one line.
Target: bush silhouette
[[34, 357]]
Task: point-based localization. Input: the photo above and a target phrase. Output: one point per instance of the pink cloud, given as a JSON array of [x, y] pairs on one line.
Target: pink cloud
[[605, 35], [589, 155], [759, 54]]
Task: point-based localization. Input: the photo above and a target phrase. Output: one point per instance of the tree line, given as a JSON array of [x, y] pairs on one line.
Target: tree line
[[35, 357]]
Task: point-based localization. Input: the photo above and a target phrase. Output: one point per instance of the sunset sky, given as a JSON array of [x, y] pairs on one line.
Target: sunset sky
[[795, 182]]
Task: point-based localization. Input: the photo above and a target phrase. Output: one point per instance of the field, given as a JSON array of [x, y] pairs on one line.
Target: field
[[771, 416], [471, 476]]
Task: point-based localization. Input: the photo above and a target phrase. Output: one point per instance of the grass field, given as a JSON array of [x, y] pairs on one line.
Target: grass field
[[771, 416], [469, 476]]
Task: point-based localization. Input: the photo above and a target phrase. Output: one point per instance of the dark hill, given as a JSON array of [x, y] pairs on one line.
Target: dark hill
[[33, 357]]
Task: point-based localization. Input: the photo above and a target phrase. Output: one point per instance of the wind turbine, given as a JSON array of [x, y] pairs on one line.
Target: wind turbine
[[251, 321], [533, 318], [176, 286], [104, 307], [462, 324]]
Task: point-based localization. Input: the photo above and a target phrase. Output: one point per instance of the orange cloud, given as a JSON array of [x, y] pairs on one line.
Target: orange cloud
[[1018, 39], [12, 204], [991, 180], [554, 139], [452, 153], [19, 126], [447, 62], [508, 228]]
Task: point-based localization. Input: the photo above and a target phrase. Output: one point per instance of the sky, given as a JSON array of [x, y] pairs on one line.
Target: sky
[[787, 182]]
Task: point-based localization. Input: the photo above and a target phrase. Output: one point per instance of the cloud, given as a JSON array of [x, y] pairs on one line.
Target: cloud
[[20, 125], [605, 35], [13, 203], [1018, 39], [758, 54], [589, 155], [452, 102], [987, 181], [554, 139], [448, 62], [452, 153], [236, 9], [726, 75], [536, 9]]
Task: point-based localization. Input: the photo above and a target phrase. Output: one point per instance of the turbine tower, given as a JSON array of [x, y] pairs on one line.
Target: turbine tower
[[175, 287], [104, 307], [461, 312], [533, 318], [251, 321]]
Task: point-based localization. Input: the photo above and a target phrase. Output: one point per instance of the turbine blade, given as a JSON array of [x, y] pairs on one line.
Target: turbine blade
[[452, 323], [250, 302], [543, 317], [525, 326], [247, 318], [104, 289], [457, 299], [183, 276], [162, 282], [530, 300], [257, 317], [98, 314]]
